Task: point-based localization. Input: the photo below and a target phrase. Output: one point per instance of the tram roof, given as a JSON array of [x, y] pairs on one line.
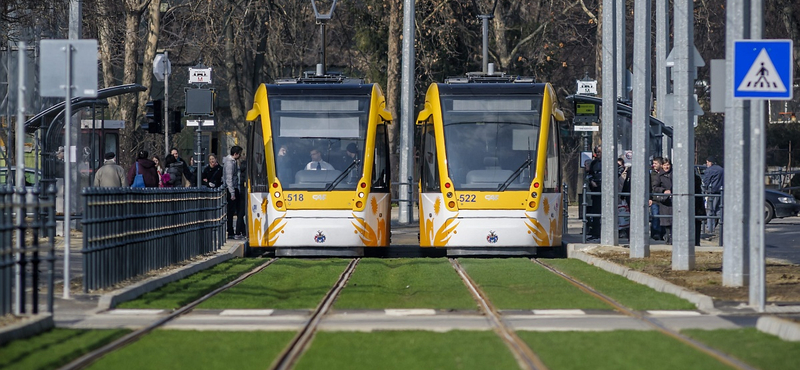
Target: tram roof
[[491, 88], [328, 89]]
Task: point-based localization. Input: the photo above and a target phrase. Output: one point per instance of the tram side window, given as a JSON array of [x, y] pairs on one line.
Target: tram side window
[[430, 168], [258, 171], [552, 173], [380, 169]]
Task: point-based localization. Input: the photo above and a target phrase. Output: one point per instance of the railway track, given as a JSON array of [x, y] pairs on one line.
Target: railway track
[[522, 353], [89, 358], [719, 356], [303, 339]]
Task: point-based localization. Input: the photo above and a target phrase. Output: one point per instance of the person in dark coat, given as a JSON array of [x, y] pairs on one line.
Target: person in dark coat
[[665, 201], [656, 232], [713, 179], [147, 169], [595, 177], [212, 173], [699, 208]]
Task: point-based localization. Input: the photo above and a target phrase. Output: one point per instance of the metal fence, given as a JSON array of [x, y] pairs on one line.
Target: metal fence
[[130, 231], [703, 218], [27, 250]]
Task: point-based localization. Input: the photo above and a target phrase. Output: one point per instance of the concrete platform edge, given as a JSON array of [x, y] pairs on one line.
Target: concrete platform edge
[[701, 301], [111, 300], [782, 328], [28, 327]]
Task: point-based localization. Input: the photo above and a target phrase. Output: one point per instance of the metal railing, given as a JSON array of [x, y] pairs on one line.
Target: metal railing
[[409, 199], [130, 231], [585, 215], [26, 249]]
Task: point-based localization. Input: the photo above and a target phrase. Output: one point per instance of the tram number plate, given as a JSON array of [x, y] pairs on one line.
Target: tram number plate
[[466, 198], [294, 197]]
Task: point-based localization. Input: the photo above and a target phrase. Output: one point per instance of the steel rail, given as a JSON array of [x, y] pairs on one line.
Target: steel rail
[[89, 358], [524, 355], [303, 338], [719, 356]]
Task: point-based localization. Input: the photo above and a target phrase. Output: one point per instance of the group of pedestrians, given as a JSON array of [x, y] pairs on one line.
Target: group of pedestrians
[[660, 202], [177, 173]]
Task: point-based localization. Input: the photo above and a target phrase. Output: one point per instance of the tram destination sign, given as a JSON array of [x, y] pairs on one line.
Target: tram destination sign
[[585, 128]]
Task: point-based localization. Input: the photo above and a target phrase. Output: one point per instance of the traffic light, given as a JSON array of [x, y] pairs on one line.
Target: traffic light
[[154, 115], [175, 122]]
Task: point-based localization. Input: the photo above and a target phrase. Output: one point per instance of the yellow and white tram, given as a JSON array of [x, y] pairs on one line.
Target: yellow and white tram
[[319, 181], [488, 163]]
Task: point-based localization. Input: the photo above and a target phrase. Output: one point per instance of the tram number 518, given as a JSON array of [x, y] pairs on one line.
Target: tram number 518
[[466, 198], [294, 197]]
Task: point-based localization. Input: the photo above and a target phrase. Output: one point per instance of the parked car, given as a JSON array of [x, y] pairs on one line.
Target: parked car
[[31, 177], [777, 204]]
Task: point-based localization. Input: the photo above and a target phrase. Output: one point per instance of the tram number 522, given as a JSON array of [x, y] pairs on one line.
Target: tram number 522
[[466, 198]]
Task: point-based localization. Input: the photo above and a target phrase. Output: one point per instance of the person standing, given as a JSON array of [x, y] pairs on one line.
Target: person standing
[[231, 173], [184, 168], [595, 178], [212, 174], [656, 232], [713, 180], [159, 170], [110, 175], [147, 169], [665, 201]]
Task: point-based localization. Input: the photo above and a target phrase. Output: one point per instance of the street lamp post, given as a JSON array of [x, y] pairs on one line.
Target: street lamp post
[[162, 68]]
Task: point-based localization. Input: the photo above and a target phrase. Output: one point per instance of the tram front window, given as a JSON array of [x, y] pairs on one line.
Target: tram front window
[[319, 142], [491, 150]]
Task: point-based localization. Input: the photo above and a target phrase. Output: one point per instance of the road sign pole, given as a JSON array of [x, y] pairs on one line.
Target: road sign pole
[[20, 160], [67, 161], [608, 229], [640, 191], [757, 136], [165, 117], [735, 259]]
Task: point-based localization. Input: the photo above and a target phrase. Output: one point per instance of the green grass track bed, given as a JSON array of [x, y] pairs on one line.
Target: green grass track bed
[[190, 288], [194, 350], [55, 348], [405, 283], [616, 350], [387, 350], [761, 350], [518, 283], [285, 284], [628, 293]]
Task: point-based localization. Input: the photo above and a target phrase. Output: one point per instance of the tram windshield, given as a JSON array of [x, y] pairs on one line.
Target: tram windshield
[[319, 141], [491, 141]]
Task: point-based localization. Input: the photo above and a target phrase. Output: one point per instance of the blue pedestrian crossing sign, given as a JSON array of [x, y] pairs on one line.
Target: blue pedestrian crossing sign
[[762, 69]]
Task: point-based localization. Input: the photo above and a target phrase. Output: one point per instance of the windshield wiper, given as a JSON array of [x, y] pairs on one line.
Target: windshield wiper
[[342, 175], [515, 174]]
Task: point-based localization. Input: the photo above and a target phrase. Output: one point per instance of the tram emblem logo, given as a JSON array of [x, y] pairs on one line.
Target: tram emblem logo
[[492, 197], [319, 197], [492, 237], [320, 237]]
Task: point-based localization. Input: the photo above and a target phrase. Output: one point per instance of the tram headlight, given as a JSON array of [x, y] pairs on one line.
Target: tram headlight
[[277, 194], [534, 194], [449, 194], [360, 194]]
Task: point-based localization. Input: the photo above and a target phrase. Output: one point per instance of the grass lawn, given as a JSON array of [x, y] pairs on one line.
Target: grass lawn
[[405, 283], [751, 346], [387, 350], [616, 350], [629, 293], [190, 288], [285, 284], [54, 348], [195, 350], [520, 284]]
